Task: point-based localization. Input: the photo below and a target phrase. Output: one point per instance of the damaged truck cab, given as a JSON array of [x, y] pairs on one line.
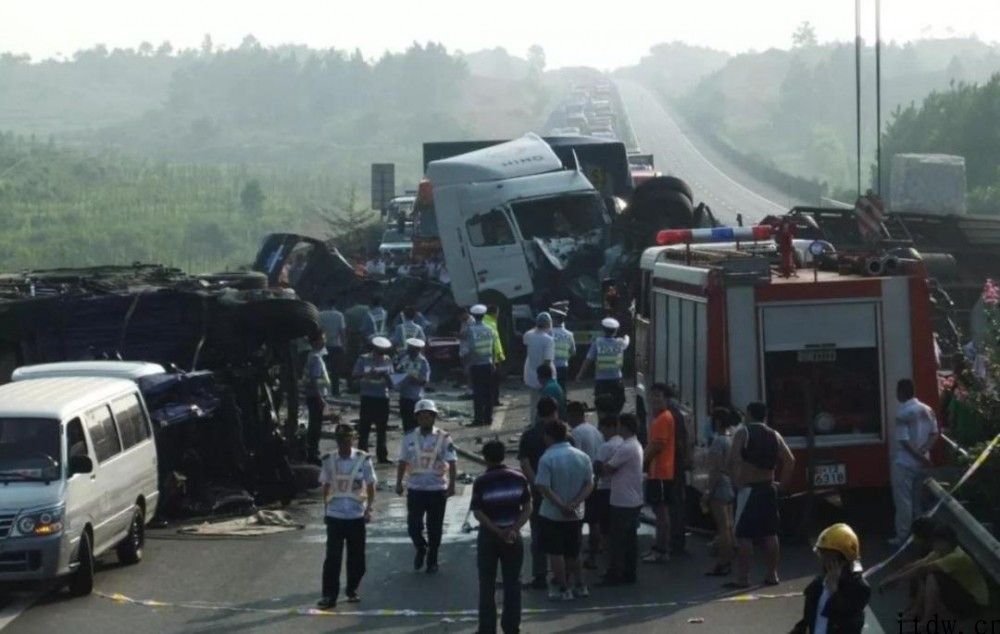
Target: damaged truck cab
[[514, 223]]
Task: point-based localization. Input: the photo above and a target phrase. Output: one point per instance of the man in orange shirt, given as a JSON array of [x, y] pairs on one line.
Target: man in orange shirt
[[659, 465]]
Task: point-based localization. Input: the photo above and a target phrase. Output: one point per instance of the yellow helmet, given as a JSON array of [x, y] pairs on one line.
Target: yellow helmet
[[841, 538]]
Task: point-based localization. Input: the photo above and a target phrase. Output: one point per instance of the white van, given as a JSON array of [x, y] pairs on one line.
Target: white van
[[78, 477]]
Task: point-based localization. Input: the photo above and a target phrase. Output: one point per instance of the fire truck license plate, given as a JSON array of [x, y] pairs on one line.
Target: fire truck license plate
[[830, 475]]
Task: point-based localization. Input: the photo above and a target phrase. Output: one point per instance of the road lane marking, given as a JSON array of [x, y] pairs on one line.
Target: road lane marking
[[18, 604], [122, 599]]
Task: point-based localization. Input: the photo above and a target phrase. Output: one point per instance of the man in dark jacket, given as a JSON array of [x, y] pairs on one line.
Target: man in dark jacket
[[835, 601]]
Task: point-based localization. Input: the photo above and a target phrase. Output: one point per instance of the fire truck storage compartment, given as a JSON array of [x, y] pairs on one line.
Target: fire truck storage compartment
[[821, 365], [682, 350]]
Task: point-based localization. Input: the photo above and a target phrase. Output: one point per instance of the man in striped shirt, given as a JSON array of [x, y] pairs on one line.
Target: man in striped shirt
[[501, 502]]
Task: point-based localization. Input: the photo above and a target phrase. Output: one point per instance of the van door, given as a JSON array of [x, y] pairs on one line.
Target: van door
[[497, 256], [138, 461], [83, 497], [107, 446]]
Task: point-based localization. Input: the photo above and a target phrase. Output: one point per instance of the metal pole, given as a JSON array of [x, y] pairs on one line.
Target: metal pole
[[878, 97], [857, 83]]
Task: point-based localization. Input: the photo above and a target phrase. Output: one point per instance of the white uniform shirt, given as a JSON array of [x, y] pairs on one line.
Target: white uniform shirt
[[626, 482], [347, 478], [608, 449], [587, 439], [915, 422], [427, 457], [539, 347]]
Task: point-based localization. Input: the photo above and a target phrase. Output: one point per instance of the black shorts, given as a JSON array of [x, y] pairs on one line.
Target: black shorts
[[659, 492], [561, 538], [955, 597], [757, 511]]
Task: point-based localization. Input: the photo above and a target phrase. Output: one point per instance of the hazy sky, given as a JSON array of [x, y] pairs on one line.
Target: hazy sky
[[605, 34]]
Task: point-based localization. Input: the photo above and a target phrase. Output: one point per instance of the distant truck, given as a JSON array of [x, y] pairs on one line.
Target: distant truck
[[519, 230]]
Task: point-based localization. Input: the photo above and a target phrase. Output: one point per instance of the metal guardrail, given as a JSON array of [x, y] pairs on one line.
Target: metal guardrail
[[978, 542]]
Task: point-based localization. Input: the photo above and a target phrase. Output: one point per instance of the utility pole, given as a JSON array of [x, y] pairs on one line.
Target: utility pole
[[857, 83], [878, 97]]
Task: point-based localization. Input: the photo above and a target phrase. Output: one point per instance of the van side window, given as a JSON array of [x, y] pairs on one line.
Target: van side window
[[103, 433], [76, 442], [131, 420], [490, 229]]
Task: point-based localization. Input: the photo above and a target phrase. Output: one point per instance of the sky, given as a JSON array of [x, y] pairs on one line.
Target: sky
[[582, 32]]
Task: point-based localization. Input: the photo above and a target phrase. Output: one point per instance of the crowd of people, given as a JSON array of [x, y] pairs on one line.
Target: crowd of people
[[573, 473]]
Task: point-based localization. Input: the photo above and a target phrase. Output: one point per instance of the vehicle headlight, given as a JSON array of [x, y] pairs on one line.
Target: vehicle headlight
[[39, 522]]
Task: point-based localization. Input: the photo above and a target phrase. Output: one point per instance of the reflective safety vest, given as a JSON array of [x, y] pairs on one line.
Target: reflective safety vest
[[378, 323], [609, 354], [482, 344], [343, 485], [562, 346], [427, 459], [369, 366], [410, 330]]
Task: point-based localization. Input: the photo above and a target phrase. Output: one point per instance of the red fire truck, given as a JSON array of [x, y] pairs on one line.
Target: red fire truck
[[823, 347]]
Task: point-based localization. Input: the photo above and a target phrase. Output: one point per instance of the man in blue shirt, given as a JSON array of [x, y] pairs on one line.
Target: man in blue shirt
[[565, 479], [551, 388], [501, 503], [607, 355], [417, 372], [375, 373]]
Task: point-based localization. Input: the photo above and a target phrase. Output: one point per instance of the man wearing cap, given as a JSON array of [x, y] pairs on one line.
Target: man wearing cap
[[427, 457], [348, 481], [565, 345], [417, 372], [408, 329], [375, 373], [482, 356], [539, 348], [607, 354]]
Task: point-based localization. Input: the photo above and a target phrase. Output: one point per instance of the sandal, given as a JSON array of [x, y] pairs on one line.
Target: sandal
[[772, 582]]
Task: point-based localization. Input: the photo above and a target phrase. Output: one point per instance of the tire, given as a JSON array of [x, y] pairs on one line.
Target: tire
[[81, 583], [240, 280], [281, 319], [129, 550], [654, 187]]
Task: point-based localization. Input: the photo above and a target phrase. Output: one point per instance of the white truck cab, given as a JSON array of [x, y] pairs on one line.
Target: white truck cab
[[509, 213], [78, 477]]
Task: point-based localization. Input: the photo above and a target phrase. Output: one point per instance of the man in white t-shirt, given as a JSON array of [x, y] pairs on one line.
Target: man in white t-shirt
[[539, 348], [348, 481], [601, 499], [916, 433], [625, 470]]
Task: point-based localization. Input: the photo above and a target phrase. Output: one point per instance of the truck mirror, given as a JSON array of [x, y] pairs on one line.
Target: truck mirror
[[80, 464]]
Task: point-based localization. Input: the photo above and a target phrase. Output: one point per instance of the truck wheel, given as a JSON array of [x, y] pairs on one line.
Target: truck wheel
[[82, 582], [240, 280], [130, 549], [655, 187], [281, 319]]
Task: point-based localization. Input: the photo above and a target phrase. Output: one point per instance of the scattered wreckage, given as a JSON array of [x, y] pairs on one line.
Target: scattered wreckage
[[219, 366]]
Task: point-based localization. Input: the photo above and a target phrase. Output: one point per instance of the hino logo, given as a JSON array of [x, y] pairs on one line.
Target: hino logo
[[522, 161]]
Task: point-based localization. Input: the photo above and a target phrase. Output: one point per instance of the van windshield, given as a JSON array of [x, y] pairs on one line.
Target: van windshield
[[29, 449], [559, 216]]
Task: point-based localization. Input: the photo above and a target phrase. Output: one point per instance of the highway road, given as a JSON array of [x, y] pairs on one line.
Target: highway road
[[714, 180], [270, 583]]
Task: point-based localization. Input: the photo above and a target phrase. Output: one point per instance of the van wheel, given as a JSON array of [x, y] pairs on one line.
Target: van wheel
[[130, 549], [82, 582]]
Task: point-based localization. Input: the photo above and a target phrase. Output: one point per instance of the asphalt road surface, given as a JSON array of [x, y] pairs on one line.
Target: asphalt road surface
[[269, 584], [677, 151]]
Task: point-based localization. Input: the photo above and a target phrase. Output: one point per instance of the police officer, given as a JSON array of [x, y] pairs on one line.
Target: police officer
[[416, 373], [427, 456], [375, 373], [376, 320], [565, 345], [408, 329], [607, 354], [348, 481], [482, 355]]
